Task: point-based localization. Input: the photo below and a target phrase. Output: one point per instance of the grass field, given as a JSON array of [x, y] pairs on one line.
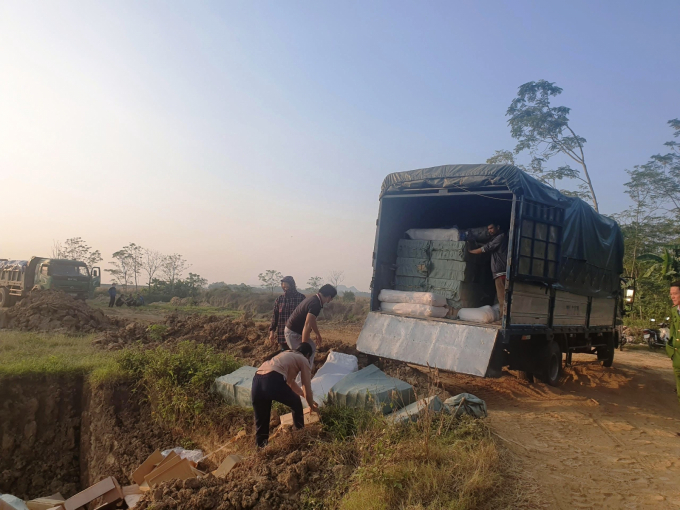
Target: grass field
[[27, 353]]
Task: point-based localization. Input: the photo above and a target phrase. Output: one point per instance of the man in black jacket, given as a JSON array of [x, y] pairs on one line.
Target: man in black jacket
[[498, 248], [284, 306]]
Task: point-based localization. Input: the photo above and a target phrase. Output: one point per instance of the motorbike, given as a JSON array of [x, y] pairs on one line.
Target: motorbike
[[656, 338]]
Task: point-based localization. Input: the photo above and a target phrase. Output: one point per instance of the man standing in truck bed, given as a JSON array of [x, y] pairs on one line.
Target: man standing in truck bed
[[498, 248]]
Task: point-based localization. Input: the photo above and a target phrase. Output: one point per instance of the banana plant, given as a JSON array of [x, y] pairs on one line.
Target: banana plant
[[666, 266]]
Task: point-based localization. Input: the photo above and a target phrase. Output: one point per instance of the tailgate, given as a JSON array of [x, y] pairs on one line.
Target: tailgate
[[440, 343]]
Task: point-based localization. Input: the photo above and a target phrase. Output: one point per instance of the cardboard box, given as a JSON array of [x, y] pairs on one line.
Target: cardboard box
[[181, 471], [108, 489], [132, 500], [161, 468], [129, 490], [43, 503], [227, 465], [147, 466], [287, 419]]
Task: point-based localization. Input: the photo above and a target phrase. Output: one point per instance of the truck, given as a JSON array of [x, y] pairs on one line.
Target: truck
[[19, 277], [563, 290]]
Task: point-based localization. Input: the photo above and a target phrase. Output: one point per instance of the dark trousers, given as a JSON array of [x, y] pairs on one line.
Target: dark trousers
[[112, 301], [266, 389]]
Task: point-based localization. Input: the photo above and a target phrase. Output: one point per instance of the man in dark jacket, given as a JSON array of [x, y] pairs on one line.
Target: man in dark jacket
[[112, 295], [498, 248], [283, 308]]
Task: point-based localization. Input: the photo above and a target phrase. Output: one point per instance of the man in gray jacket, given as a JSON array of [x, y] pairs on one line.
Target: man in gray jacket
[[498, 248]]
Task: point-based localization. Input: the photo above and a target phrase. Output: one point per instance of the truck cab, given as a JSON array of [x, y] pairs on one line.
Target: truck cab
[[70, 276]]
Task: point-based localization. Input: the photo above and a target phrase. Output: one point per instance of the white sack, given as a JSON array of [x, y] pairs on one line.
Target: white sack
[[415, 310], [335, 369], [13, 502], [434, 234], [417, 298], [484, 314]]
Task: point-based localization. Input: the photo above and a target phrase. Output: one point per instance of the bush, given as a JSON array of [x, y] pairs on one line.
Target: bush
[[177, 380], [349, 297]]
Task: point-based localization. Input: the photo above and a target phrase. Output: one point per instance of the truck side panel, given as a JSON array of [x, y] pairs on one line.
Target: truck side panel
[[530, 305], [602, 312], [570, 309]]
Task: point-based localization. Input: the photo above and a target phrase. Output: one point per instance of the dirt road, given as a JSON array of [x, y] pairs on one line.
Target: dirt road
[[606, 438]]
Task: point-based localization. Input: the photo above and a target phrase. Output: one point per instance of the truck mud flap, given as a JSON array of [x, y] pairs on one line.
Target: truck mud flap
[[446, 345]]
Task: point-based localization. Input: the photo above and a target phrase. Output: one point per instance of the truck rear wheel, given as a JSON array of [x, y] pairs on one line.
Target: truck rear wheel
[[606, 354], [5, 298], [552, 363]]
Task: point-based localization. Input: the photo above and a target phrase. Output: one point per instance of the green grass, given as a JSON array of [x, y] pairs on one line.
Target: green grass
[[28, 353]]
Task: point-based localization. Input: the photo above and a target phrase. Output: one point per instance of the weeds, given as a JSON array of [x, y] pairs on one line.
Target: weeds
[[177, 381]]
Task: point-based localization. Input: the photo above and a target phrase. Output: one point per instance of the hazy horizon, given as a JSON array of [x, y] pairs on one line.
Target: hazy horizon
[[255, 136]]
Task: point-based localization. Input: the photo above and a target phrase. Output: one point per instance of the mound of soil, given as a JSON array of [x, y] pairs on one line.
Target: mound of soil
[[242, 337], [53, 310], [271, 478]]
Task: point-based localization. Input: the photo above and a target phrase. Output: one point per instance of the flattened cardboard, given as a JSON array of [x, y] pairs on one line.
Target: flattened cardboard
[[132, 500], [287, 419], [161, 468], [227, 465], [180, 471], [108, 488], [43, 503], [147, 466], [131, 489]]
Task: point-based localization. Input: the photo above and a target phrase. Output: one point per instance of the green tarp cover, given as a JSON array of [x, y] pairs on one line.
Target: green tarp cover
[[371, 389], [445, 250], [592, 245], [466, 403], [413, 412], [235, 388], [458, 294]]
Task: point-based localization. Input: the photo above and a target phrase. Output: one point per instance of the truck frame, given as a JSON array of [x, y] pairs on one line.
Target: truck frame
[[563, 288]]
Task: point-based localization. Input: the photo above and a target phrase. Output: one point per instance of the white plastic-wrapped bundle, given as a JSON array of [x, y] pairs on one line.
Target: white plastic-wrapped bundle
[[334, 370], [484, 314], [417, 298], [434, 234], [414, 310]]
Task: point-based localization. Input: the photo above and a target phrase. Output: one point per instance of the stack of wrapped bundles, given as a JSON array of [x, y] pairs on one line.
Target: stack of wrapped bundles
[[416, 304], [444, 268]]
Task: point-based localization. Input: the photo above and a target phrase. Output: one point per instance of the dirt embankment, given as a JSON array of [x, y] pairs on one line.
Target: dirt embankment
[[51, 310]]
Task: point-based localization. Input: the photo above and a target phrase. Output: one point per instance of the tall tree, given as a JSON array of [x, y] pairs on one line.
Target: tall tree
[[122, 268], [75, 248], [543, 131], [136, 258], [315, 283], [270, 279], [173, 268], [336, 278], [152, 261]]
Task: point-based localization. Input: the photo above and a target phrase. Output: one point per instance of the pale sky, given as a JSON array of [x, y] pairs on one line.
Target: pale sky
[[255, 135]]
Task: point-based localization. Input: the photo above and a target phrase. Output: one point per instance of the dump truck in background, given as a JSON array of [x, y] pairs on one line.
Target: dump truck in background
[[563, 289], [19, 277]]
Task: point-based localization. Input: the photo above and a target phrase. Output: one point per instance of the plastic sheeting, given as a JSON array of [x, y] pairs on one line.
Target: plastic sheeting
[[434, 234], [236, 387], [458, 294], [414, 310], [592, 244], [13, 502], [415, 411], [466, 403], [13, 265], [372, 389], [192, 455], [444, 250], [483, 315], [418, 298], [334, 370]]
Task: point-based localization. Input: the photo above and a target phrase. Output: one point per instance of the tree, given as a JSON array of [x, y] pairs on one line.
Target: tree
[[349, 296], [195, 283], [665, 267], [172, 268], [122, 268], [270, 279], [336, 278], [152, 261], [218, 285], [544, 131], [136, 260], [315, 283], [75, 248]]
